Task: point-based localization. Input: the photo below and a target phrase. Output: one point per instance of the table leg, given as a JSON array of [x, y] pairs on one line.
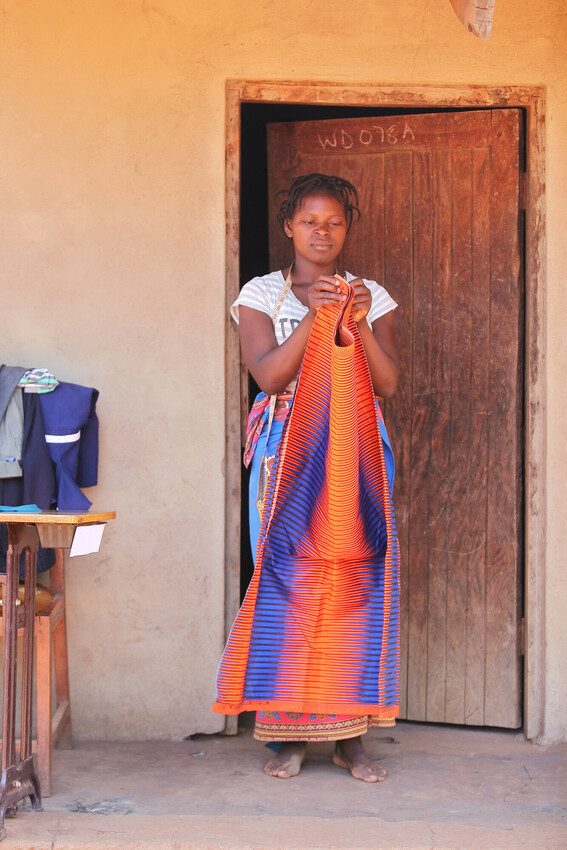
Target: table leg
[[18, 781]]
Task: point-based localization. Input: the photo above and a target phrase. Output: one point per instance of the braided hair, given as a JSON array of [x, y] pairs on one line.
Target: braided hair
[[326, 184]]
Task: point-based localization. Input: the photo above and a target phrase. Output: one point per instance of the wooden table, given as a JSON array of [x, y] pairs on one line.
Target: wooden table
[[56, 528]]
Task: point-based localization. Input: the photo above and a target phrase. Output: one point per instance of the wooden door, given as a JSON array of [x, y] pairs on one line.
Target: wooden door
[[440, 230]]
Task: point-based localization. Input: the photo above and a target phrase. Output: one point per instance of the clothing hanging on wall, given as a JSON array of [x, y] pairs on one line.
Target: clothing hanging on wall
[[37, 482], [48, 445], [11, 421], [11, 432], [71, 432], [38, 381], [12, 380]]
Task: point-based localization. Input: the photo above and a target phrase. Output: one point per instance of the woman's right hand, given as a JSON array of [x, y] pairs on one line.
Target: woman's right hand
[[325, 290]]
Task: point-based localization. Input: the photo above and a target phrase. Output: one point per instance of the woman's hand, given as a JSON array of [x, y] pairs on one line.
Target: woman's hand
[[362, 301], [325, 290]]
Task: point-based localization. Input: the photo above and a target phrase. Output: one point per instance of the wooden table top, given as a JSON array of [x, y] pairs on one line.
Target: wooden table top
[[57, 517]]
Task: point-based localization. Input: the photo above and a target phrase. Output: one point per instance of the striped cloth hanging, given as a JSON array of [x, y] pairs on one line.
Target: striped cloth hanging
[[318, 630]]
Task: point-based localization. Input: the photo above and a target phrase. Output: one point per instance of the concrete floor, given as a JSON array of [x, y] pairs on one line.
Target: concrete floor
[[449, 787]]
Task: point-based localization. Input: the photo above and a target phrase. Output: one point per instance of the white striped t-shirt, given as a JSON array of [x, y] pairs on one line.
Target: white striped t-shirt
[[261, 293]]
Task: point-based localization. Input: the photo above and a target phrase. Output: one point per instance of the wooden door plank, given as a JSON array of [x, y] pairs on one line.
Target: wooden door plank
[[459, 537], [479, 394], [420, 437], [398, 272], [440, 470], [364, 251], [503, 516], [368, 136], [283, 167]]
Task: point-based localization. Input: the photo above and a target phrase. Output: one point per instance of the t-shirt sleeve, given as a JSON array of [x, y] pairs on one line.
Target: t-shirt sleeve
[[382, 301], [253, 294]]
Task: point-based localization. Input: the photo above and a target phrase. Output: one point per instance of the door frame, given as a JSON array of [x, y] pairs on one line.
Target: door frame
[[532, 100]]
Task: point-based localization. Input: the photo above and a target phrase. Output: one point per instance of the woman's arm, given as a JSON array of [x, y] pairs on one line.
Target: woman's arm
[[273, 366], [378, 342], [381, 354]]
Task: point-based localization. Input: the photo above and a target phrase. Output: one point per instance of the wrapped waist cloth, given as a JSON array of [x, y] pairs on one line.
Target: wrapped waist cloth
[[258, 417]]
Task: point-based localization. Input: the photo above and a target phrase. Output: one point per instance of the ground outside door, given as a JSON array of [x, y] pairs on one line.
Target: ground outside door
[[440, 230]]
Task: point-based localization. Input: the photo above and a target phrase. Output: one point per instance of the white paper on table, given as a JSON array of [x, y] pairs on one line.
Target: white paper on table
[[87, 539]]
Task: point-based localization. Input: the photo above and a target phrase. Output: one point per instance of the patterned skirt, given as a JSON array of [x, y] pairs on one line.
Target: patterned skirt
[[300, 726]]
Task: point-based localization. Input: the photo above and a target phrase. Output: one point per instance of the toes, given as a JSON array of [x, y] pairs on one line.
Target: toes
[[379, 772], [282, 771], [368, 776], [288, 770], [365, 772], [376, 774]]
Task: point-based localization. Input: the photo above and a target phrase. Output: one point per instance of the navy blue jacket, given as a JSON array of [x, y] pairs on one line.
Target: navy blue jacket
[[71, 432]]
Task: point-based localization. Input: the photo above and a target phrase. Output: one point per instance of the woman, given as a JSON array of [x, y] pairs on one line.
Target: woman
[[315, 646]]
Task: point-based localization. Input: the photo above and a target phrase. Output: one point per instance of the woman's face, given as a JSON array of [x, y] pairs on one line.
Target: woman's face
[[318, 228]]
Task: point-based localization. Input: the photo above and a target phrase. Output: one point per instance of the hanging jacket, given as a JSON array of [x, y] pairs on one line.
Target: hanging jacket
[[71, 433], [11, 421], [37, 484]]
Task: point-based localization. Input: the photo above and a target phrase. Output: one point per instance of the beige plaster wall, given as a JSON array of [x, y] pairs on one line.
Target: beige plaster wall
[[112, 239]]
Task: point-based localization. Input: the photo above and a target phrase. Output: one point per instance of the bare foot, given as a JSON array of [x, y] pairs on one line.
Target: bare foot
[[287, 762], [350, 754]]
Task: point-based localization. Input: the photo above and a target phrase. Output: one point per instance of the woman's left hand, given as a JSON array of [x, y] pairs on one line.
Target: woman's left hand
[[362, 300]]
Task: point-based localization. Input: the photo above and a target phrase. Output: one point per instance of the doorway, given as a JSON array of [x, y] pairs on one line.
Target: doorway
[[257, 219], [441, 677]]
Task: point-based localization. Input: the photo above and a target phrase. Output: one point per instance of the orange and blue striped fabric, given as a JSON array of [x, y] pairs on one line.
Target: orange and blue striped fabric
[[318, 630]]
